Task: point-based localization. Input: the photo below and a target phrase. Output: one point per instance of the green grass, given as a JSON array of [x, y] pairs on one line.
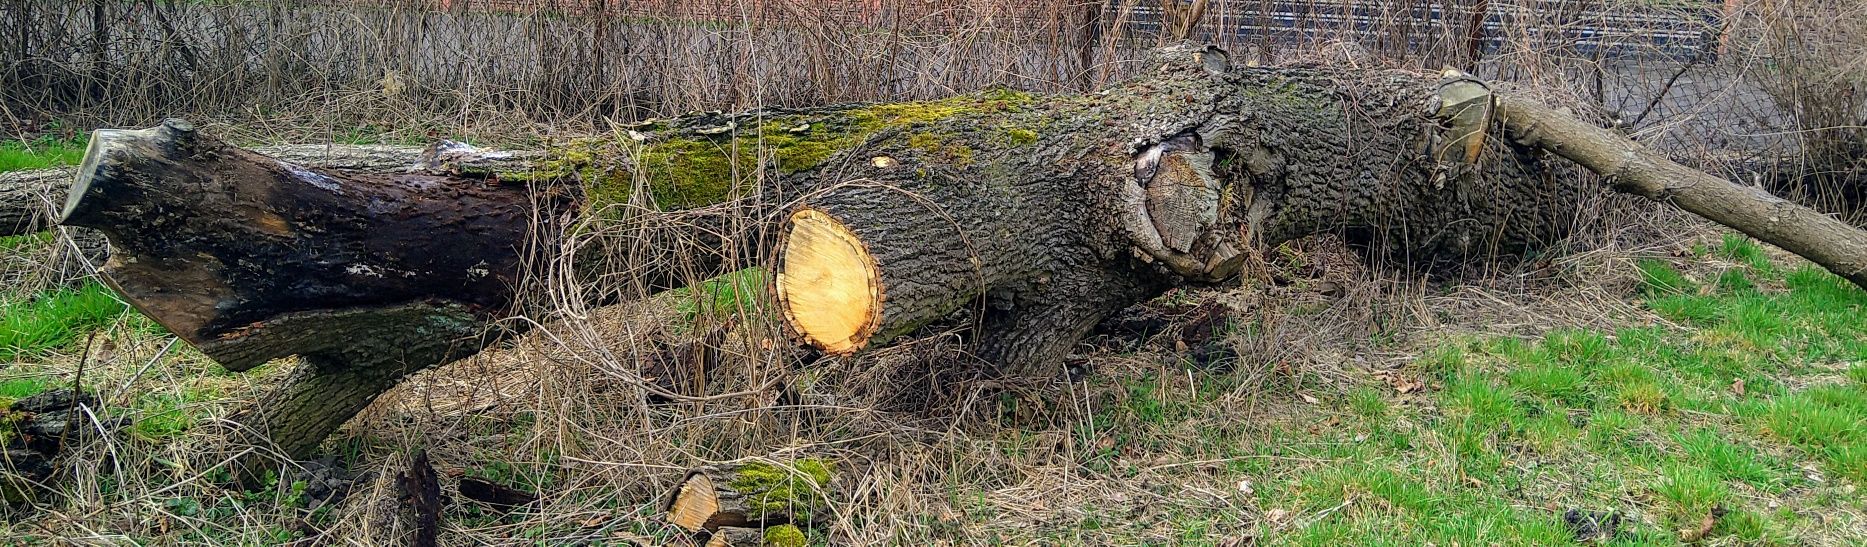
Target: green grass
[[722, 296], [54, 321], [39, 153], [164, 415], [1664, 425], [21, 244]]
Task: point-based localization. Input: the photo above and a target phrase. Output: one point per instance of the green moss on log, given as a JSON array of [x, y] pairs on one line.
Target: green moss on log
[[682, 168], [1019, 136], [785, 535], [774, 491]]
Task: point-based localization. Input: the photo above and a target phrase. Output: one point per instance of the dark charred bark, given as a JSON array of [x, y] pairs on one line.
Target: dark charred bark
[[370, 276], [249, 258], [30, 200], [421, 494]]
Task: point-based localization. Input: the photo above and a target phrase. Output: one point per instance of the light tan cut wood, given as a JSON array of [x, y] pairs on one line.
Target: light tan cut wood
[[828, 283], [696, 503]]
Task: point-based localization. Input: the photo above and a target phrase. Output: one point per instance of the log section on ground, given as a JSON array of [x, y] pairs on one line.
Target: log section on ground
[[1030, 216], [749, 494]]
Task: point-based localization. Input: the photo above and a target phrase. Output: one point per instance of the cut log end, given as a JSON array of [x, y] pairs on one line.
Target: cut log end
[[828, 284], [695, 504], [116, 149]]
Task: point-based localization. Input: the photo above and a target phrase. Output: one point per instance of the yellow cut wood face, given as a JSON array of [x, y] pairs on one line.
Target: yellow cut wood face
[[694, 504], [828, 283]]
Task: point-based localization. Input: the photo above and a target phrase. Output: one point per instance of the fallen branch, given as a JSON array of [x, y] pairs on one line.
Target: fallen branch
[[1634, 169]]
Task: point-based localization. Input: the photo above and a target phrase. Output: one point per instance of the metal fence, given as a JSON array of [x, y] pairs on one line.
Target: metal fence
[[1594, 28]]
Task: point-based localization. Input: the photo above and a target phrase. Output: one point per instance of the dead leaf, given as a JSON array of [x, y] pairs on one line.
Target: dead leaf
[[1737, 387], [1244, 487], [1704, 528], [1308, 399], [1276, 515]]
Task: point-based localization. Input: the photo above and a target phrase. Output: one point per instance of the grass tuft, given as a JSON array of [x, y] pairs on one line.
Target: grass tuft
[[55, 320], [42, 153]]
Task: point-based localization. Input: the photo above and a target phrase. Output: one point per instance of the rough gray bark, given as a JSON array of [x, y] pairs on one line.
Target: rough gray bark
[[1167, 180]]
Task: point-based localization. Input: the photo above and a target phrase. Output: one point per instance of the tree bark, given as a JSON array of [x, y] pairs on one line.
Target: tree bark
[[249, 258], [29, 200], [370, 276], [1146, 186]]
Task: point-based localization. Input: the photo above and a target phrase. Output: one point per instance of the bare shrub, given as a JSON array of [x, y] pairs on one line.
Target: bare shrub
[[1808, 57]]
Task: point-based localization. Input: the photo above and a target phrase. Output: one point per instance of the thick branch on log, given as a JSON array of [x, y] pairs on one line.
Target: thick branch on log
[[1634, 169], [29, 200]]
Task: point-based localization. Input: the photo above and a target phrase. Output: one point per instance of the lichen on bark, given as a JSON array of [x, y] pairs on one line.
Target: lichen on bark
[[708, 158]]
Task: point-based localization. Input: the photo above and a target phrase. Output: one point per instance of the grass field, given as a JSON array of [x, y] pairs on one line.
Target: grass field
[[1744, 422]]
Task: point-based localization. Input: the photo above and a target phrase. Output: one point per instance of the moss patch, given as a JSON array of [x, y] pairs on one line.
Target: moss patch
[[785, 535], [772, 490], [1020, 137], [682, 168]]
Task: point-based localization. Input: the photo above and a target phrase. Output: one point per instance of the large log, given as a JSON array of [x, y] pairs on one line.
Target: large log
[[1031, 217], [1146, 186], [249, 258]]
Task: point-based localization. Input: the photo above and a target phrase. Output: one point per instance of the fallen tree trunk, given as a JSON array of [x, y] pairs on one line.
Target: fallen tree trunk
[[1147, 186], [1031, 217]]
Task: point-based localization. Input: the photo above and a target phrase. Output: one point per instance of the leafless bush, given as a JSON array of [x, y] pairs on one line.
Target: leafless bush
[[513, 68], [1809, 59]]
